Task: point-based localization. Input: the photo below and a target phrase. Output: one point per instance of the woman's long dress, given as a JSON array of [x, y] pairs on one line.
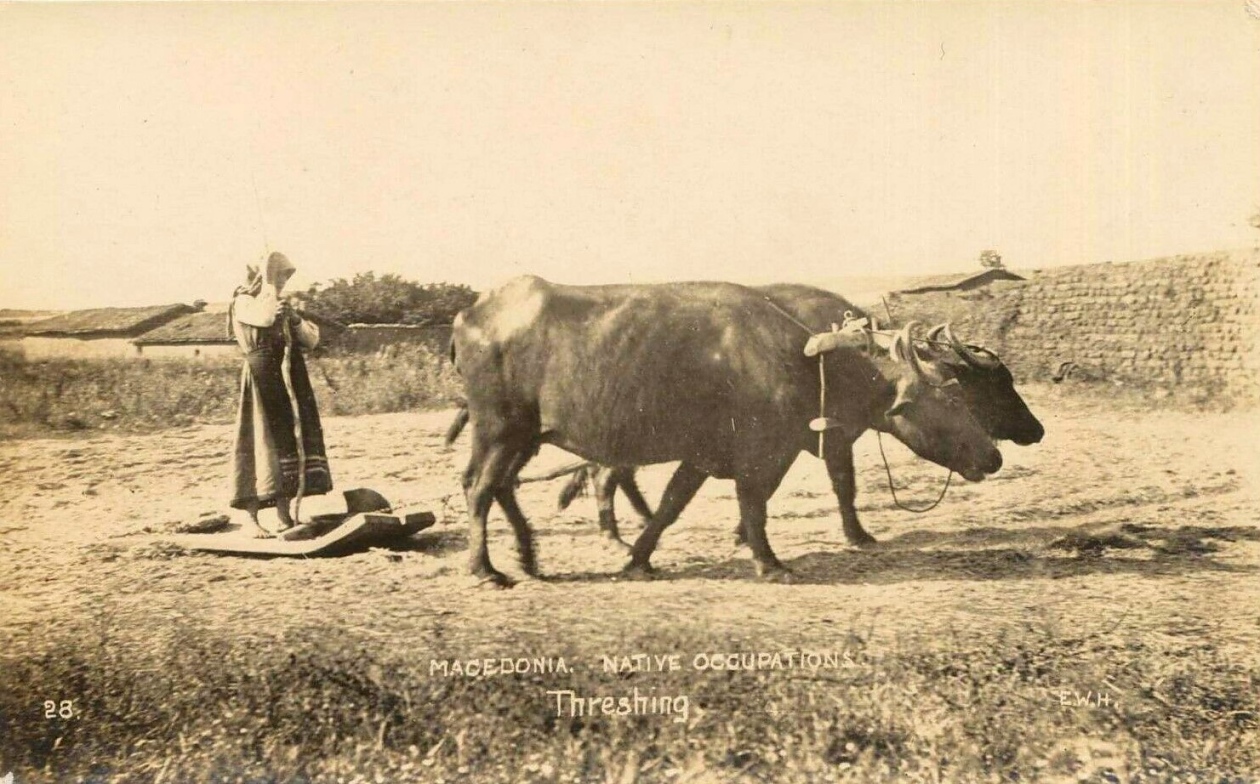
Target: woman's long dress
[[265, 457]]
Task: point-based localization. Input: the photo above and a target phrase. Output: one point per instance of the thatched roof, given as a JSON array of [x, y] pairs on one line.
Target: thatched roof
[[26, 316], [199, 328], [108, 322], [960, 281], [16, 323]]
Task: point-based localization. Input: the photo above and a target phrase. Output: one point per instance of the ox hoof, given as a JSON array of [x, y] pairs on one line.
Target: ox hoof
[[494, 580], [861, 539], [636, 571], [777, 573]]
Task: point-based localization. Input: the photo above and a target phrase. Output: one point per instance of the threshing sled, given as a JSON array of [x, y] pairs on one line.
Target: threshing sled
[[369, 521]]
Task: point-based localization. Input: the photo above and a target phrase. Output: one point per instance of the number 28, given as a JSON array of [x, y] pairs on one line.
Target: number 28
[[59, 710]]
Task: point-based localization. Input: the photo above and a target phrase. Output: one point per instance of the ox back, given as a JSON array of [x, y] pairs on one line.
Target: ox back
[[635, 375]]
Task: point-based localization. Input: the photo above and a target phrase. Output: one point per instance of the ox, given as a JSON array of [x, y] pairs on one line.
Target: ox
[[708, 374], [985, 385]]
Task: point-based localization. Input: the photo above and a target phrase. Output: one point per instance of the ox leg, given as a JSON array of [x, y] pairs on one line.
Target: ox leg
[[681, 489], [633, 494], [506, 496], [606, 483], [520, 526], [484, 477], [605, 480], [752, 515], [844, 483]]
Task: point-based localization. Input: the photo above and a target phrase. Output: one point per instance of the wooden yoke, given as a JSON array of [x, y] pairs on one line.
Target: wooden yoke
[[855, 332]]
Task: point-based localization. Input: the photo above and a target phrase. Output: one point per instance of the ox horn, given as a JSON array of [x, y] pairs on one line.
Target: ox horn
[[969, 356], [903, 348]]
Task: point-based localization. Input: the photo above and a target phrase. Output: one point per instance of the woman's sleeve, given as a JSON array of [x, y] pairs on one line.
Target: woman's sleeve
[[259, 311], [307, 334]]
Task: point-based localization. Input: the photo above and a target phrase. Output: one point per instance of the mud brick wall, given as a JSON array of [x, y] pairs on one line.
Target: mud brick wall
[[1181, 323]]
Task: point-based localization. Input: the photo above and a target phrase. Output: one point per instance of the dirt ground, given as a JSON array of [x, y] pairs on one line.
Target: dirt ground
[[1121, 522]]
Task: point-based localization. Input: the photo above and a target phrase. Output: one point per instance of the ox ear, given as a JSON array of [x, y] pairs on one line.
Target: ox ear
[[901, 405]]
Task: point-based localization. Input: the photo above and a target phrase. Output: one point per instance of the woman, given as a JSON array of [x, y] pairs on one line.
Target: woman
[[268, 467]]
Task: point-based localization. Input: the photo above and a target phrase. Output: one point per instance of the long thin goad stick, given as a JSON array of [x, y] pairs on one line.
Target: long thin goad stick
[[286, 370]]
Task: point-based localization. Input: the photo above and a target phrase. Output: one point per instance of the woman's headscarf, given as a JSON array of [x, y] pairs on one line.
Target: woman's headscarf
[[279, 270], [253, 282]]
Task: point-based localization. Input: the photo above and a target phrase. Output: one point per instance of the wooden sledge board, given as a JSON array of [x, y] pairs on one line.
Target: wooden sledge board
[[345, 534]]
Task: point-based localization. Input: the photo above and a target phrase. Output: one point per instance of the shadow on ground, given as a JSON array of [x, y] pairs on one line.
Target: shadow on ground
[[990, 554]]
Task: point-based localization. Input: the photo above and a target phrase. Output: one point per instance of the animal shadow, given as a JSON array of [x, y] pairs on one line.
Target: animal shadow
[[437, 542], [996, 554]]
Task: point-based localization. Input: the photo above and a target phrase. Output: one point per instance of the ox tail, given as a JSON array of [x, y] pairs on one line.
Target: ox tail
[[575, 488], [457, 426]]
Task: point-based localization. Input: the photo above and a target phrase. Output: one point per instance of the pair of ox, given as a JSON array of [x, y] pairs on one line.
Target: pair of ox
[[984, 383], [711, 375]]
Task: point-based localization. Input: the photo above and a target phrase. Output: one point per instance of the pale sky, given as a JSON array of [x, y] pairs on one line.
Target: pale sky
[[148, 152]]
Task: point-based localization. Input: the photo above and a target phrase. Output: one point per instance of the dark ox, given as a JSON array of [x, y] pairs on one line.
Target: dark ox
[[985, 385], [708, 374]]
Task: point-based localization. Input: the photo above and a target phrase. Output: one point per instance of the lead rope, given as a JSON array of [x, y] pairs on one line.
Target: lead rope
[[893, 490], [287, 372], [822, 412], [822, 401], [822, 373]]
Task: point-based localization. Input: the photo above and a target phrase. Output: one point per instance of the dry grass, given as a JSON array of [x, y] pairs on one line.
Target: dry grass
[[66, 395], [199, 708]]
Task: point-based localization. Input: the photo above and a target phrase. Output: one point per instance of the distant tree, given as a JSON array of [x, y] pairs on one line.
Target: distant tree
[[1255, 220], [388, 299], [438, 303], [990, 259]]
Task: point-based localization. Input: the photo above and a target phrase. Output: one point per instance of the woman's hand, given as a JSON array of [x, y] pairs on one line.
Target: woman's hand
[[286, 312]]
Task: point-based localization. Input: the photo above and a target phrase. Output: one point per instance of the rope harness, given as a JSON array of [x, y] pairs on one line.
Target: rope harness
[[822, 403], [880, 437]]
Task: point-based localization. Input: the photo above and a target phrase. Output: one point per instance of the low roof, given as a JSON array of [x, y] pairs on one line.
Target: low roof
[[193, 328], [107, 321], [16, 314], [958, 280], [16, 323]]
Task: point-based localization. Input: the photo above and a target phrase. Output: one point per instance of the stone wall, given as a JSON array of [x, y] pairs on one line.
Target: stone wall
[[1181, 323]]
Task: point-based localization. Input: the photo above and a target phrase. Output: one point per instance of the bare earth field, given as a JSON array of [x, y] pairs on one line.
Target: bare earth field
[[1092, 612]]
